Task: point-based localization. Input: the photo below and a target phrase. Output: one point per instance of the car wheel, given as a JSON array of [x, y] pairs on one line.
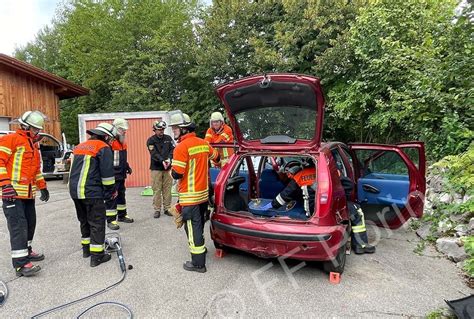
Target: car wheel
[[337, 264], [218, 246]]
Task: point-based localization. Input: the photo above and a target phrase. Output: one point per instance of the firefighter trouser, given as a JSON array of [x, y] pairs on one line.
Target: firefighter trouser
[[193, 218], [161, 184], [91, 215], [21, 223], [359, 232], [118, 206]]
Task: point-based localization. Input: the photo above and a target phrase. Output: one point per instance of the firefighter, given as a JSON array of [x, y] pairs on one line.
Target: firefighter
[[360, 241], [91, 182], [190, 166], [117, 208], [20, 177], [161, 146], [219, 132], [300, 186]]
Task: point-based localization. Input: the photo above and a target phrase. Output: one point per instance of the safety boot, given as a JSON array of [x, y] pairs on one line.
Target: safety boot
[[367, 249], [189, 266], [34, 256], [113, 225], [96, 260], [125, 219], [157, 214], [167, 213], [86, 253], [27, 270]]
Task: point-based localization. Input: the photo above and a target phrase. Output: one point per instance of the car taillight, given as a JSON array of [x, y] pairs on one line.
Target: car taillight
[[324, 186], [323, 192]]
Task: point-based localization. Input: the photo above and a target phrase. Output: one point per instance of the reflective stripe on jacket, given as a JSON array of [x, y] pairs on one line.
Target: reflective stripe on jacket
[[120, 160], [191, 160], [299, 187], [92, 171], [20, 164], [224, 135]]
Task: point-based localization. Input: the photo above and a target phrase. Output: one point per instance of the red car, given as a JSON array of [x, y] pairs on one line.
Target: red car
[[278, 118]]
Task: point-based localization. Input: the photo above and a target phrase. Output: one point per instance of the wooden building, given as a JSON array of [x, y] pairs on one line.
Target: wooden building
[[24, 87]]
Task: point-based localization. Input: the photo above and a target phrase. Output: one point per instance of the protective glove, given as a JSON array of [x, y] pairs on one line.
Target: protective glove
[[44, 195], [267, 206], [8, 192], [176, 212], [129, 170], [114, 195]]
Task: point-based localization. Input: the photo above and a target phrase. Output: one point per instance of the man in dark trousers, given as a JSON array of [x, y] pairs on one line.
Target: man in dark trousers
[[118, 206], [91, 182], [161, 148], [191, 168], [20, 178]]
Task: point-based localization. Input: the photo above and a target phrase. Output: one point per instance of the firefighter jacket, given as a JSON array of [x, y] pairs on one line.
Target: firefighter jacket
[[20, 164], [191, 166], [224, 135], [92, 171], [161, 149], [301, 186], [120, 160]]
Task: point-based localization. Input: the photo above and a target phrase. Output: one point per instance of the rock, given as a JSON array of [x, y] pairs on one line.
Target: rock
[[460, 264], [466, 198], [451, 247], [445, 198], [424, 231], [445, 225], [455, 218], [461, 230]]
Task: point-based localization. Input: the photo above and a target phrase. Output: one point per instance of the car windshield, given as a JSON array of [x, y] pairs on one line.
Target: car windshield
[[295, 122]]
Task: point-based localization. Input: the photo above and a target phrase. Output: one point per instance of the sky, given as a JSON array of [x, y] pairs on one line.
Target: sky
[[20, 20]]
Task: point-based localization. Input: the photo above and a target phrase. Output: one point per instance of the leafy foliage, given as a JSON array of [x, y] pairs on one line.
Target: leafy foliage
[[392, 70]]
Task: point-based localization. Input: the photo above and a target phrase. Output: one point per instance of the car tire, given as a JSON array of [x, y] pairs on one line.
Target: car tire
[[330, 266], [218, 246]]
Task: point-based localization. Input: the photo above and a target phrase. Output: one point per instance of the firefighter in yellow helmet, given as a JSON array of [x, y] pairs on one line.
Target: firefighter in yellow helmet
[[20, 178], [219, 132], [190, 166]]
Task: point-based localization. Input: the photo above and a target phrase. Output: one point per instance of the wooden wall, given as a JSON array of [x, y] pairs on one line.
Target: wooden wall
[[20, 93]]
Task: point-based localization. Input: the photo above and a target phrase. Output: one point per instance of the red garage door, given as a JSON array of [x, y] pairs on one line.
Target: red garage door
[[138, 155]]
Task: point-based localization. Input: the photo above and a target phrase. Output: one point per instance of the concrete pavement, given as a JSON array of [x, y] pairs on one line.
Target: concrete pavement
[[394, 282]]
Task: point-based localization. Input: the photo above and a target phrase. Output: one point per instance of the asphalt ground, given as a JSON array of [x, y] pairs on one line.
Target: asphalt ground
[[393, 282]]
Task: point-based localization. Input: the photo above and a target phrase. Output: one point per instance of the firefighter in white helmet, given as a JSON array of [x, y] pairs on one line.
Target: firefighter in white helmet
[[117, 208], [91, 182], [219, 132], [20, 178], [190, 166]]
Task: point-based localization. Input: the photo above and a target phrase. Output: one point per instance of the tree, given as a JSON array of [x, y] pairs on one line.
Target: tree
[[390, 72]]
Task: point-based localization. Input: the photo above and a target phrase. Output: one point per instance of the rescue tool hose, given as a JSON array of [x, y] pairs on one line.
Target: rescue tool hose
[[3, 293], [117, 248]]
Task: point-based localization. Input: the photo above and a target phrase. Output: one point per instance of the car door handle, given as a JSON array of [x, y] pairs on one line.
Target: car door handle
[[370, 189]]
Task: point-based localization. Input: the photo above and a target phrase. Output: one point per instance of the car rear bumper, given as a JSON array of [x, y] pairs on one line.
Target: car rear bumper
[[303, 241]]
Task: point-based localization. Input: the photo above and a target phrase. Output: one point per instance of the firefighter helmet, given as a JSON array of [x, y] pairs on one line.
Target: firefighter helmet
[[121, 123], [180, 119], [159, 125], [292, 167], [104, 129], [217, 116], [32, 118]]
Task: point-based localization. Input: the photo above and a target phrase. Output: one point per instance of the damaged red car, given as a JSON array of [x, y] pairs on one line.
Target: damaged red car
[[278, 118]]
